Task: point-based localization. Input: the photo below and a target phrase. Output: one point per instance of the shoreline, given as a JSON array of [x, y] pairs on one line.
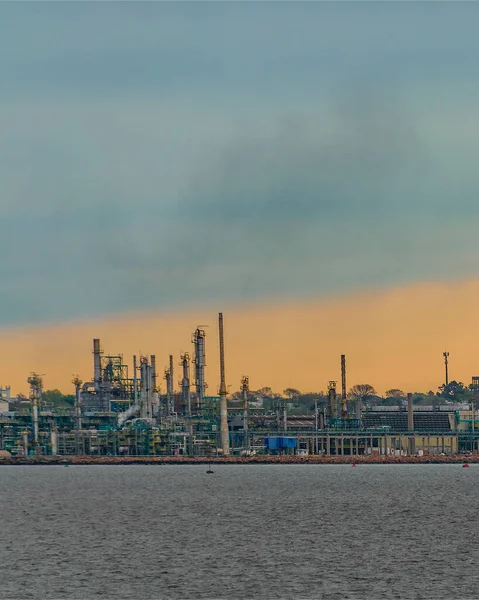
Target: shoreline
[[236, 460]]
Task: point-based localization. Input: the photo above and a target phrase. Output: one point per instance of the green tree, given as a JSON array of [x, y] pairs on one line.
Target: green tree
[[57, 399], [455, 391], [395, 393], [362, 392]]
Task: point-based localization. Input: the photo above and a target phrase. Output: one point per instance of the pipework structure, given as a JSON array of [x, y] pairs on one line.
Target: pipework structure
[[111, 389], [344, 406], [199, 361], [225, 435], [185, 383]]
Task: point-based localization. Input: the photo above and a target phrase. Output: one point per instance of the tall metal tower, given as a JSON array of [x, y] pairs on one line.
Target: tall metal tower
[[36, 388], [145, 378], [245, 396], [199, 362], [185, 383], [446, 365], [344, 407], [77, 382], [169, 391]]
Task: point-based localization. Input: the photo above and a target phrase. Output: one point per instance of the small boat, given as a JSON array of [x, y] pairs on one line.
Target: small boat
[[465, 466], [209, 471], [354, 464]]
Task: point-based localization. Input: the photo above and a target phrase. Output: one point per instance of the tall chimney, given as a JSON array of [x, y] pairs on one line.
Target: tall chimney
[[225, 436], [344, 407], [96, 363]]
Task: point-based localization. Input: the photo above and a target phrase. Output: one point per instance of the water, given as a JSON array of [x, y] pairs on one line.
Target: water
[[272, 531]]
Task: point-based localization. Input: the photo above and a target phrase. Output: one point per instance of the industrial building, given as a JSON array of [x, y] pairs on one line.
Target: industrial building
[[122, 412]]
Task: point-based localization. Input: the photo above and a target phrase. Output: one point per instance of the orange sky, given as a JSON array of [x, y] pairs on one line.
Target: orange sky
[[392, 338]]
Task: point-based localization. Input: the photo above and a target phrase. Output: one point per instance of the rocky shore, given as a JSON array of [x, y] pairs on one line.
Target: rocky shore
[[236, 460]]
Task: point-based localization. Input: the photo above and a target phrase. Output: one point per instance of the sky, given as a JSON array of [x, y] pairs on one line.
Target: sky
[[173, 158]]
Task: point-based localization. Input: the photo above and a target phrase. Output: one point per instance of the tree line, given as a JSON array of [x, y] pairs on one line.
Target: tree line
[[363, 393]]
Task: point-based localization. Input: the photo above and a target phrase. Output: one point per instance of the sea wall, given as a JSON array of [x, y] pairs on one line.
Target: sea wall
[[237, 460]]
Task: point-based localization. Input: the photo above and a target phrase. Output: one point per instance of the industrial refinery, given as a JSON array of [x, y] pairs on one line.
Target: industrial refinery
[[121, 411]]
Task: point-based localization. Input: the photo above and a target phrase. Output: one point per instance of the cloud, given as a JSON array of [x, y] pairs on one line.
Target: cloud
[[161, 156]]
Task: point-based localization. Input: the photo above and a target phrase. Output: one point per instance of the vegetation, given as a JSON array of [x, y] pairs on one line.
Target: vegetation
[[57, 399], [303, 403]]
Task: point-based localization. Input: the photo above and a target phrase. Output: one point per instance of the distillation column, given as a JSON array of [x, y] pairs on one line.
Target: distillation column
[[185, 383], [155, 400], [77, 383], [245, 396], [225, 435], [344, 406], [135, 380], [145, 378], [96, 363], [199, 362], [36, 387], [333, 413], [169, 388]]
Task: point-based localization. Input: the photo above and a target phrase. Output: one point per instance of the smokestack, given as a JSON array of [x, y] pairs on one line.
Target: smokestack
[[344, 407], [96, 363], [225, 436], [410, 413]]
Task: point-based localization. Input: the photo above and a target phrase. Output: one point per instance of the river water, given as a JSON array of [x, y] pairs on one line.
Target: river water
[[257, 531]]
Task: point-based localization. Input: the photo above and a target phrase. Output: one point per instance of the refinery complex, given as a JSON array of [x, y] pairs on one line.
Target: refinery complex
[[121, 412]]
